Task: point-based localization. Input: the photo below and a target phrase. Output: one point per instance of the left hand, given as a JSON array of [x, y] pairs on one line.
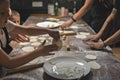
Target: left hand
[[97, 45]]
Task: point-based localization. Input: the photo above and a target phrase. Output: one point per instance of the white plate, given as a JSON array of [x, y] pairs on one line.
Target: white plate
[[65, 67], [47, 24]]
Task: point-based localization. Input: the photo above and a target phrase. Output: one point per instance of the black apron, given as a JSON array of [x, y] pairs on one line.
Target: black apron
[[8, 48]]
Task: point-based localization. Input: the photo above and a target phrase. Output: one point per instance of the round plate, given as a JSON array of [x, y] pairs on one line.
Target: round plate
[[65, 67], [47, 24]]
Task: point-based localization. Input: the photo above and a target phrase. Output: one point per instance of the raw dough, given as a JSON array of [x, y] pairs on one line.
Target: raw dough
[[52, 19], [81, 36], [60, 22], [33, 37], [84, 33], [90, 56], [74, 27], [33, 40], [24, 43], [94, 65], [81, 25], [28, 49], [67, 32], [35, 44]]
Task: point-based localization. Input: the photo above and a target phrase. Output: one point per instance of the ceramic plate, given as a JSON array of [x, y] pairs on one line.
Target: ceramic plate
[[47, 24], [65, 67]]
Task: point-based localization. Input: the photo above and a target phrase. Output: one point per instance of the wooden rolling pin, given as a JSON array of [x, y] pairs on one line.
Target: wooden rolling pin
[[67, 32]]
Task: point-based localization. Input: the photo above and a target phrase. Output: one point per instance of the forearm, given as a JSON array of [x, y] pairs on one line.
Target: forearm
[[107, 21], [114, 37], [82, 11], [23, 59], [37, 31]]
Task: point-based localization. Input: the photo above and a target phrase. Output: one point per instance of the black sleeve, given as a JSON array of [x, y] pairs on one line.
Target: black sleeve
[[117, 4]]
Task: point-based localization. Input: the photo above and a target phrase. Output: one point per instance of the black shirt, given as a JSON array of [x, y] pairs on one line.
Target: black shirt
[[8, 48], [99, 13]]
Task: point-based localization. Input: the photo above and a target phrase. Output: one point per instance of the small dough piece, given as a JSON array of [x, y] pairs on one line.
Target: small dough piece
[[35, 44], [94, 65], [33, 40], [33, 37], [58, 43], [24, 43], [52, 19], [84, 33], [81, 25], [74, 27], [81, 36], [42, 38], [70, 32], [90, 56], [60, 22], [28, 49]]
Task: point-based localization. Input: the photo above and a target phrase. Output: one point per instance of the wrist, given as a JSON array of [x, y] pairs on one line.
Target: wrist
[[73, 19], [104, 43]]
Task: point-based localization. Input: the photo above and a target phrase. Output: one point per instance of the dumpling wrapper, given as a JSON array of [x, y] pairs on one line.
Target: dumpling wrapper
[[81, 36], [91, 57], [28, 49], [94, 65]]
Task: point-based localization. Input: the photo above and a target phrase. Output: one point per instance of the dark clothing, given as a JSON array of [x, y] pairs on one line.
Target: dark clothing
[[99, 13], [8, 48], [116, 23], [114, 26], [117, 19]]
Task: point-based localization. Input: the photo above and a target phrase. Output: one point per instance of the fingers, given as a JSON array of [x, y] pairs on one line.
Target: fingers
[[96, 45], [21, 38], [62, 27]]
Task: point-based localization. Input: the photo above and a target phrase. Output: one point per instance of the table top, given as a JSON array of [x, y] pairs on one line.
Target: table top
[[110, 65]]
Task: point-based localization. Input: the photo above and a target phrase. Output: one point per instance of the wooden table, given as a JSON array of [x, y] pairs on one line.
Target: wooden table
[[110, 65]]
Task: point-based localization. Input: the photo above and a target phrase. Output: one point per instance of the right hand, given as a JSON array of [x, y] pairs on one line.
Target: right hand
[[66, 24], [92, 38]]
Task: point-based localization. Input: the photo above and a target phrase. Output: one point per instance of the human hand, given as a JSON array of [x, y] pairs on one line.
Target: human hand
[[96, 45], [66, 24], [19, 37], [91, 38], [45, 50]]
